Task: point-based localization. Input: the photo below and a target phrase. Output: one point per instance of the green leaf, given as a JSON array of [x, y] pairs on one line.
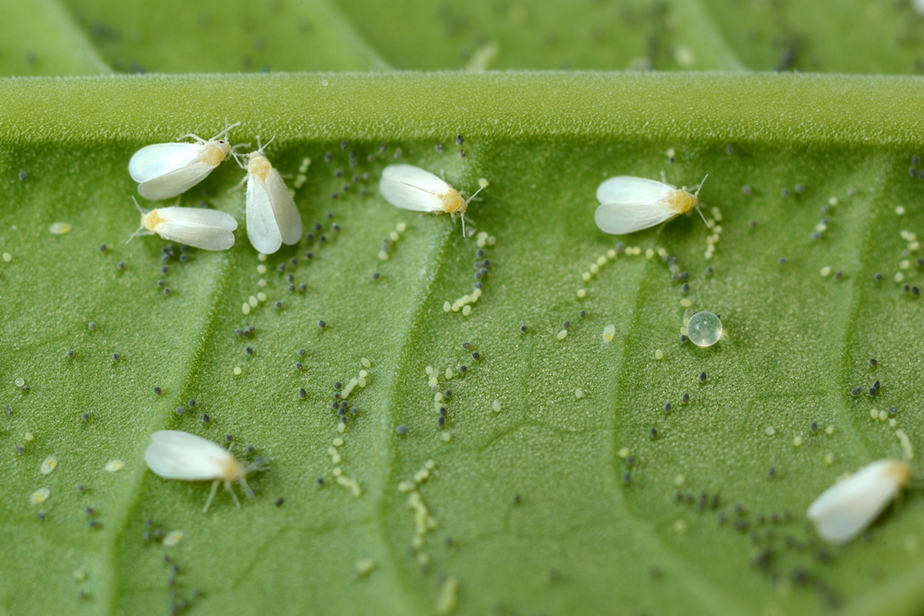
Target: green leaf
[[535, 508], [858, 36]]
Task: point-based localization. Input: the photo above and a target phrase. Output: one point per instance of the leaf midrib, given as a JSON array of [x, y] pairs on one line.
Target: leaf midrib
[[713, 107]]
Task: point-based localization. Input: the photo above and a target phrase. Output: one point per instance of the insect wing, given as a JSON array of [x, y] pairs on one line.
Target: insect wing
[[153, 161], [175, 182], [262, 230], [629, 189], [621, 218], [629, 204], [842, 511], [205, 229], [287, 217], [179, 455], [412, 188], [199, 216]]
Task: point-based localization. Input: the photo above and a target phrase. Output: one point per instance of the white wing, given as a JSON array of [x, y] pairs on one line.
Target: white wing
[[620, 218], [206, 238], [161, 158], [287, 217], [842, 511], [198, 215], [175, 182], [262, 229], [628, 189], [412, 188], [179, 455]]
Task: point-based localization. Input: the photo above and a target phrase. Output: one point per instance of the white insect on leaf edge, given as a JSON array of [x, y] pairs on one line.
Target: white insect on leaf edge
[[845, 509], [629, 204], [416, 189], [173, 454], [198, 227], [272, 216], [164, 170]]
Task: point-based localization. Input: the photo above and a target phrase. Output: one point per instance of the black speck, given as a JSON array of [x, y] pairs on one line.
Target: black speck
[[702, 377], [523, 329], [278, 502], [872, 362], [401, 429], [322, 324]]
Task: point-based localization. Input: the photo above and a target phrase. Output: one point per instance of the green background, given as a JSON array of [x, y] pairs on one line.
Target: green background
[[534, 509]]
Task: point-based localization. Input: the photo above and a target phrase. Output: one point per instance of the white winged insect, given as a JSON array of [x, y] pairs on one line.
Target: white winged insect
[[165, 170], [173, 454], [193, 226], [272, 217], [629, 204], [842, 511], [413, 188]]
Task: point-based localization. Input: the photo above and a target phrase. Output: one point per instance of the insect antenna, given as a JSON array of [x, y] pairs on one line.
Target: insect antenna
[[140, 229], [696, 194]]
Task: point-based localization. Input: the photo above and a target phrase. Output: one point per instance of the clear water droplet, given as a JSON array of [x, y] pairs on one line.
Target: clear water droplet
[[704, 329]]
